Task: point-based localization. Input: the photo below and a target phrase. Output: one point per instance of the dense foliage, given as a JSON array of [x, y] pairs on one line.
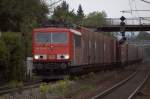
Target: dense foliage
[[62, 13], [94, 19], [21, 15], [143, 36], [11, 56], [80, 15]]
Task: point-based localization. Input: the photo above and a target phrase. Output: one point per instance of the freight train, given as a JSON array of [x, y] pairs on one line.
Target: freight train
[[59, 51]]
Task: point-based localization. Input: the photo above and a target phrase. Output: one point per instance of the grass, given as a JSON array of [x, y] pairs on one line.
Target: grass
[[65, 88], [60, 89], [92, 75], [43, 90], [14, 84]]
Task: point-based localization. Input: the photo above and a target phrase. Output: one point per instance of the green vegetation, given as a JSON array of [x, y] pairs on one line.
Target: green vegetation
[[67, 89], [17, 19], [92, 20], [80, 15], [91, 75], [147, 52], [143, 36], [21, 15], [60, 89], [63, 14], [12, 59], [14, 84], [43, 90], [4, 58], [95, 19]]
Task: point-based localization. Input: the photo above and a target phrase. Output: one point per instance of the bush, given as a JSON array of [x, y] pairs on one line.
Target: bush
[[62, 88], [43, 90], [92, 75], [4, 59], [14, 84], [13, 56]]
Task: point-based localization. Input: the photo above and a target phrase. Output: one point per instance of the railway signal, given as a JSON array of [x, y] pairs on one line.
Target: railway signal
[[122, 29], [122, 18]]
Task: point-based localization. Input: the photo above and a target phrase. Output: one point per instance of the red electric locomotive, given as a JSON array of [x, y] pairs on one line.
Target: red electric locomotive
[[54, 49]]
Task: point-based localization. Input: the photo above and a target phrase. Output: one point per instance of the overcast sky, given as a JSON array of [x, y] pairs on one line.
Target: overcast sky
[[112, 7]]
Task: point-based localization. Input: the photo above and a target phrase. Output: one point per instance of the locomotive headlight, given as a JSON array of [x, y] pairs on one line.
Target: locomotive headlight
[[66, 56], [36, 56], [62, 56], [40, 56]]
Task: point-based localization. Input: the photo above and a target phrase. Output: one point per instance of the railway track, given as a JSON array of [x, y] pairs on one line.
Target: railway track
[[7, 90], [125, 89]]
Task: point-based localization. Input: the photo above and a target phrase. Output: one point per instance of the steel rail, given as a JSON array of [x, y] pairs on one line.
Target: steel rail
[[139, 87], [104, 93], [16, 89]]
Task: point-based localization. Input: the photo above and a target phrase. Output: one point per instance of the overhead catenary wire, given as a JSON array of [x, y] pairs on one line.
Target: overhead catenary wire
[[54, 3], [146, 1], [135, 5], [145, 18], [129, 11], [130, 6], [134, 8]]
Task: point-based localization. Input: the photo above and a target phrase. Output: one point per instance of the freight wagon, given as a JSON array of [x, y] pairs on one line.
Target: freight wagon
[[130, 54]]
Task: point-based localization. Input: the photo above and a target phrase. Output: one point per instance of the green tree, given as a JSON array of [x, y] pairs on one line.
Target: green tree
[[4, 60], [63, 14], [95, 19], [143, 36], [15, 69], [21, 15], [80, 15]]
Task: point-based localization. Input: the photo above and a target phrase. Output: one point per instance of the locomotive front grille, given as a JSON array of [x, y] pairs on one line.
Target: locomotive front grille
[[51, 56]]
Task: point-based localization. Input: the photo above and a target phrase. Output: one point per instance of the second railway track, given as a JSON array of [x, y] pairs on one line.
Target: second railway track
[[7, 90], [125, 89]]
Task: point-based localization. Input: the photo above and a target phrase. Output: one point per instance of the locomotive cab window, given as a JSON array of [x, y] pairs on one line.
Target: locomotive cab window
[[52, 37], [43, 37], [77, 39], [59, 37]]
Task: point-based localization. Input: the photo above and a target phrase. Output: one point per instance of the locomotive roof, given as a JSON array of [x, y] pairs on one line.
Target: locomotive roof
[[50, 29], [57, 29], [75, 32]]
